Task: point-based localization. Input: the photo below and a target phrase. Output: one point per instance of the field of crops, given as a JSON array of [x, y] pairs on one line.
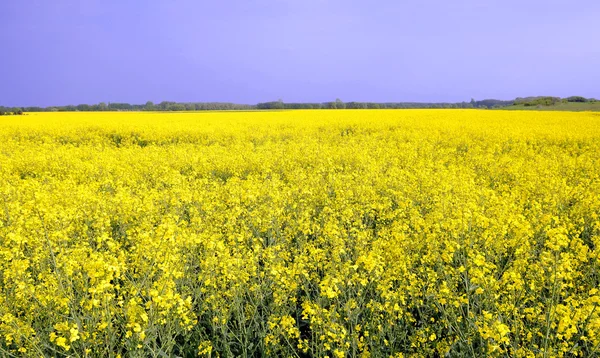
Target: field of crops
[[300, 233]]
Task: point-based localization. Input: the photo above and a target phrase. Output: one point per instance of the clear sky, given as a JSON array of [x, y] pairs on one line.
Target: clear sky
[[58, 52]]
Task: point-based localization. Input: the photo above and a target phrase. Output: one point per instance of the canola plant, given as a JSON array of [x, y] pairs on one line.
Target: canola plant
[[352, 233]]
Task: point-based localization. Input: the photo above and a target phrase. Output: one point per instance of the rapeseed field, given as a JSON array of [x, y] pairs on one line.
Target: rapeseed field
[[367, 233]]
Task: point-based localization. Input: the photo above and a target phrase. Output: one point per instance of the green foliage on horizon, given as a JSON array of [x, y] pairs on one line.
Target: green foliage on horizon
[[561, 106], [581, 103]]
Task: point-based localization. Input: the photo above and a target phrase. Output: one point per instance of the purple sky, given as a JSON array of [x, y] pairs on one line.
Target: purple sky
[[57, 52]]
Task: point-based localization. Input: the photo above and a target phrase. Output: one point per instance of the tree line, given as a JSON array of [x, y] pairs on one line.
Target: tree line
[[551, 101], [148, 106], [279, 104], [273, 105], [6, 111], [339, 104]]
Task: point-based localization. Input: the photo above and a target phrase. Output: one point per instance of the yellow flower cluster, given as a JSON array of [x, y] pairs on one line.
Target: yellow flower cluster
[[372, 233]]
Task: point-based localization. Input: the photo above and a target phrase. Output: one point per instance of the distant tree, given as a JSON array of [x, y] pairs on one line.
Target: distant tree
[[538, 101], [274, 105], [165, 105], [120, 106], [356, 105], [577, 99], [102, 106], [176, 107], [149, 106], [339, 104]]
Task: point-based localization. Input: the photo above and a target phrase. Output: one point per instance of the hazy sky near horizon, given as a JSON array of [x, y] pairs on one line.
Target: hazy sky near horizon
[[247, 51]]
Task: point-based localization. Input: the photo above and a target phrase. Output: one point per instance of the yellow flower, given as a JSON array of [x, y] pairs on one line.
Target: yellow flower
[[62, 342], [319, 232]]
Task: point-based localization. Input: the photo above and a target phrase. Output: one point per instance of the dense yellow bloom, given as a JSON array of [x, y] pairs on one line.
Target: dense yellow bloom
[[370, 233]]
